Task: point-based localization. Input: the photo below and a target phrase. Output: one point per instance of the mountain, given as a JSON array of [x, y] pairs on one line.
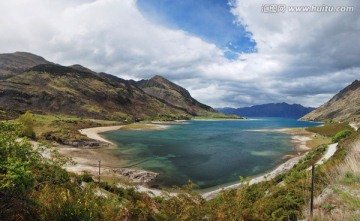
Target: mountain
[[269, 110], [32, 83], [14, 63], [173, 95], [344, 106]]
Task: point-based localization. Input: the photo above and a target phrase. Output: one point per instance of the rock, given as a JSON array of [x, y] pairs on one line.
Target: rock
[[138, 176], [86, 144]]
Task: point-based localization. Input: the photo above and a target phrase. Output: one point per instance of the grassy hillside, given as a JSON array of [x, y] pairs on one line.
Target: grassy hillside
[[344, 106], [30, 83], [15, 63], [54, 89], [174, 95], [330, 129], [340, 200]]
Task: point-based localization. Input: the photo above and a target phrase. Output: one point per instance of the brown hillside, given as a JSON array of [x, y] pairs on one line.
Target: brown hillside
[[344, 106], [173, 95]]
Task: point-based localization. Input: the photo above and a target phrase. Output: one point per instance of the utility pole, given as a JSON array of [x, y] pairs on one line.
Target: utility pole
[[312, 192], [99, 172]]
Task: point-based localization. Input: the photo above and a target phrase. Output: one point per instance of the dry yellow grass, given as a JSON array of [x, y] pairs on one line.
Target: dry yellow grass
[[341, 199], [318, 140]]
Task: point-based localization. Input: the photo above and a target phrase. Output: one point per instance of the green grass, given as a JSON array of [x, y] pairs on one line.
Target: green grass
[[318, 140], [350, 178], [215, 115], [352, 202], [141, 127], [168, 117], [341, 135], [57, 127], [330, 130]]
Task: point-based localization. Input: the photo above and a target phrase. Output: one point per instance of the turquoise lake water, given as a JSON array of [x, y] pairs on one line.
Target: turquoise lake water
[[209, 153]]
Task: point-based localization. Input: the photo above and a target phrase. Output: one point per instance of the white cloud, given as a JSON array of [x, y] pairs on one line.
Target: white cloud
[[302, 57]]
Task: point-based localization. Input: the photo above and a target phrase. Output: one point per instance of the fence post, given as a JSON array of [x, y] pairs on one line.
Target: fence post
[[312, 192], [99, 172]]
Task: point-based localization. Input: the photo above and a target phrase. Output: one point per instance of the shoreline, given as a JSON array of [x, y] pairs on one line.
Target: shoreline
[[94, 132], [87, 160], [299, 138], [257, 179]]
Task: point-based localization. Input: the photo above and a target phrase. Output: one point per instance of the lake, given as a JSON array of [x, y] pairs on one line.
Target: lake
[[209, 153]]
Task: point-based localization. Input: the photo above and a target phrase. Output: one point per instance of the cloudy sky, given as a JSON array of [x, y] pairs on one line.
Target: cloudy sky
[[226, 53]]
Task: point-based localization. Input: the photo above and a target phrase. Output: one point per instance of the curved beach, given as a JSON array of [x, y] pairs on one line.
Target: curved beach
[[94, 132], [299, 139]]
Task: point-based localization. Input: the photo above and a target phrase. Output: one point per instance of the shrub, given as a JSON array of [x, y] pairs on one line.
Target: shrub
[[341, 135], [28, 121], [86, 178]]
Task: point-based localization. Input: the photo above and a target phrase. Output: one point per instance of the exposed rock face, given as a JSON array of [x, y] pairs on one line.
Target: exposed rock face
[[173, 95], [85, 144], [344, 106], [138, 176]]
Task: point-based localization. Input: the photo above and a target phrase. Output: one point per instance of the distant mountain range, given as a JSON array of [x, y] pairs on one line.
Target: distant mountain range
[[269, 110], [344, 106], [30, 82]]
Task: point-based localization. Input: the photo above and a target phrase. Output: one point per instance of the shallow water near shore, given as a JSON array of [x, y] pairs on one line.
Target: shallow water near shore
[[209, 153]]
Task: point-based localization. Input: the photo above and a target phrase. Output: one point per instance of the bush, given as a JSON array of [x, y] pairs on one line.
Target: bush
[[28, 121], [341, 135], [86, 178]]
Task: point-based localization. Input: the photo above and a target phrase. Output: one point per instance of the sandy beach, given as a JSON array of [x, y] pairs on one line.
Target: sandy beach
[[94, 133], [87, 160], [299, 137]]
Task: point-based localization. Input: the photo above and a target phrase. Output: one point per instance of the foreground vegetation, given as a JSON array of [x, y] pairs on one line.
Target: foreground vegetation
[[340, 200], [33, 186]]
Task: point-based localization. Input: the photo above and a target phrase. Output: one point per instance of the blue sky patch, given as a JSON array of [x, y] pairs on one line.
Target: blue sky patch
[[211, 20]]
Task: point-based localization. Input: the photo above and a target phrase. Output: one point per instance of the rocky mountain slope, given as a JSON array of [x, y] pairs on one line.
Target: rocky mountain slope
[[269, 110], [344, 106], [14, 63], [29, 82], [174, 95]]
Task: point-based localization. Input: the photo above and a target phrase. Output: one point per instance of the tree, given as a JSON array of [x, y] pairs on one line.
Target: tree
[[24, 173]]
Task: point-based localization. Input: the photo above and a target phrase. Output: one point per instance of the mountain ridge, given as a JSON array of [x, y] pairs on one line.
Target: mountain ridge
[[343, 106], [173, 94], [15, 63], [269, 110], [30, 82]]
